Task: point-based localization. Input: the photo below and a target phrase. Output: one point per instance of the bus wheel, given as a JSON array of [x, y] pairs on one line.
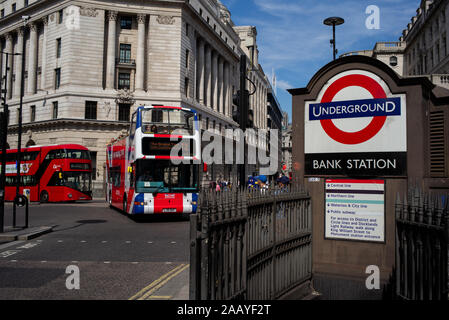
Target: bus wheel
[[44, 197]]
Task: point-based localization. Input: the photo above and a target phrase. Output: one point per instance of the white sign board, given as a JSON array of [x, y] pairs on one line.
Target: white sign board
[[356, 112], [356, 127], [355, 210]]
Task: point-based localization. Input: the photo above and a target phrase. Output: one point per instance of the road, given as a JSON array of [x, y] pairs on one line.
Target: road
[[117, 257]]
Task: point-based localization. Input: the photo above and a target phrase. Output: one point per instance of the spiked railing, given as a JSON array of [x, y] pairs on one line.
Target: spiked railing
[[422, 238], [250, 244]]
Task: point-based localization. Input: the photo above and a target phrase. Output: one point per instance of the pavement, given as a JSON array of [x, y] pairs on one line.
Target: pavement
[[12, 234], [118, 258]]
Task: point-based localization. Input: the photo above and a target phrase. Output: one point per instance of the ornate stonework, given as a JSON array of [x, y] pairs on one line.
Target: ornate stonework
[[88, 12], [45, 21], [33, 27], [112, 15], [20, 31], [141, 18], [165, 20], [125, 96]]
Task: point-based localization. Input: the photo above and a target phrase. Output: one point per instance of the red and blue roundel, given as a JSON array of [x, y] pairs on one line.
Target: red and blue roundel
[[354, 97]]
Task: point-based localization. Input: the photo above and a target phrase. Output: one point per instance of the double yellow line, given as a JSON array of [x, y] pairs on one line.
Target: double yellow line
[[146, 292]]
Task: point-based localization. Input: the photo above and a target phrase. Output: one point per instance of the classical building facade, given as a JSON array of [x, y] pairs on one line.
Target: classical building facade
[[422, 50], [286, 145], [274, 122], [89, 64]]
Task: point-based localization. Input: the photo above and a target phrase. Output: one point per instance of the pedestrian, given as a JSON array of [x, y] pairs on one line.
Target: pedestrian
[[218, 188]]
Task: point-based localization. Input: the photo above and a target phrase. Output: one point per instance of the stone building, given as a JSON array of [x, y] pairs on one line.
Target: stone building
[[274, 122], [286, 145], [89, 64], [422, 49]]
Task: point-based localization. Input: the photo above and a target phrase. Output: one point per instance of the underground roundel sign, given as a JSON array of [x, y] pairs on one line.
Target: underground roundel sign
[[356, 127]]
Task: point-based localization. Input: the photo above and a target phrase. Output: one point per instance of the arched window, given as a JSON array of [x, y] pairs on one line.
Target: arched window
[[393, 61], [30, 143]]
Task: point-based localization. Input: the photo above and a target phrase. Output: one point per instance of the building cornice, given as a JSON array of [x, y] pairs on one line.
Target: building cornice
[[66, 123], [418, 26]]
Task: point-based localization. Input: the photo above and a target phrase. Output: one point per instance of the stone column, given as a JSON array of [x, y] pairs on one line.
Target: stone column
[[209, 76], [201, 70], [32, 60], [44, 54], [220, 85], [8, 49], [215, 80], [112, 48], [18, 63], [225, 88], [140, 59]]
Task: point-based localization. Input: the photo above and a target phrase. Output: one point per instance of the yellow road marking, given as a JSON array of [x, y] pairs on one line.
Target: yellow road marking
[[152, 290], [161, 297], [155, 282]]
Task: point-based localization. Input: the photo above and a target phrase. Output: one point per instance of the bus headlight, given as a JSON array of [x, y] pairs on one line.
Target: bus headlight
[[70, 195], [194, 203]]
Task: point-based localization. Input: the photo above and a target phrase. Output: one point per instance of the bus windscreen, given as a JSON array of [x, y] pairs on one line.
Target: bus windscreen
[[162, 176]]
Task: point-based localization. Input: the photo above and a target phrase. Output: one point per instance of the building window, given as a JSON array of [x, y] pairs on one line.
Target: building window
[[123, 112], [58, 48], [91, 110], [124, 80], [187, 29], [126, 22], [26, 3], [57, 78], [61, 16], [186, 87], [393, 61], [201, 12], [32, 113], [125, 53], [2, 13], [187, 59], [55, 110], [13, 7]]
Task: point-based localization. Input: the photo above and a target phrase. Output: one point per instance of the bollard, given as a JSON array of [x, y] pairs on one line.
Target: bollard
[[20, 201]]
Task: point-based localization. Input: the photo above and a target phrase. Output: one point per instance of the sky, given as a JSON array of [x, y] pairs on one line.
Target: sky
[[294, 42]]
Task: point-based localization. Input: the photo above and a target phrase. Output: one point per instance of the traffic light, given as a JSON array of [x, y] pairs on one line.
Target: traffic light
[[236, 102], [250, 120]]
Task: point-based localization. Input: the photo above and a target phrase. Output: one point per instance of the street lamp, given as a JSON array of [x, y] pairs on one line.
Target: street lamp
[[334, 21]]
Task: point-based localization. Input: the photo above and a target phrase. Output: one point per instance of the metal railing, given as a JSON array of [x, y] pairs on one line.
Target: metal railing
[[422, 237], [125, 62], [250, 244]]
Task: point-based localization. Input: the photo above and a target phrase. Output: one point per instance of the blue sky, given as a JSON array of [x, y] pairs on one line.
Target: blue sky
[[293, 40]]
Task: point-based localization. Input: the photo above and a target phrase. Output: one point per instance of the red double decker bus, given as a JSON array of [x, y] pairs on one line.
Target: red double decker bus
[[53, 173], [143, 177]]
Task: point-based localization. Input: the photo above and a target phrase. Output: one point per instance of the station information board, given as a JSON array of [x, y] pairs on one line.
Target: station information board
[[355, 210]]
